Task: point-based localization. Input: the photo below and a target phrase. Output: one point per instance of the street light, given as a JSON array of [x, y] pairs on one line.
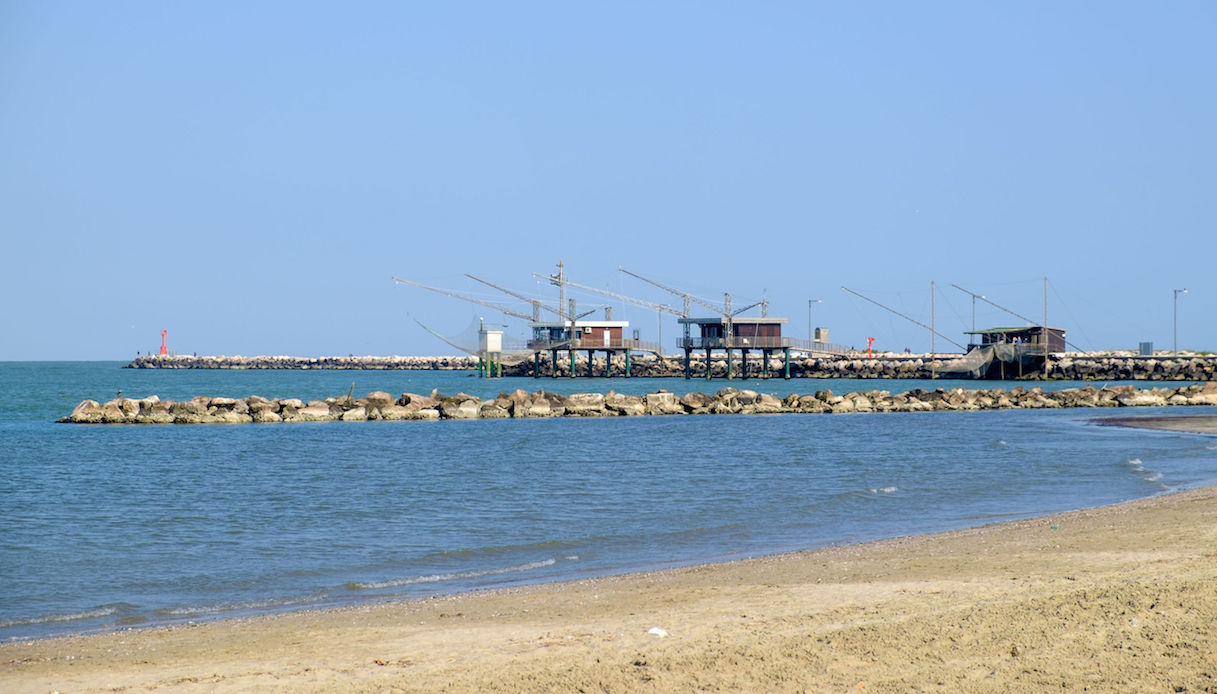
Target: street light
[[1176, 324], [809, 303]]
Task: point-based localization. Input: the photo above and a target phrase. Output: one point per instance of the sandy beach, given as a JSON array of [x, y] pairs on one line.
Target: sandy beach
[[1119, 598]]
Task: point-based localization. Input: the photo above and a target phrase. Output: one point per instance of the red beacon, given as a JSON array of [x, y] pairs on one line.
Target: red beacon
[[164, 349]]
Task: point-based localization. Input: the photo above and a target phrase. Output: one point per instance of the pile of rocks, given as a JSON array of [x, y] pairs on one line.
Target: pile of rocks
[[1066, 367], [156, 361], [521, 404]]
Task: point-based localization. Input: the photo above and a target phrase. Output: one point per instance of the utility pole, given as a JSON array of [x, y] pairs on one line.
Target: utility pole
[[809, 303], [1044, 334], [1175, 344], [933, 337]]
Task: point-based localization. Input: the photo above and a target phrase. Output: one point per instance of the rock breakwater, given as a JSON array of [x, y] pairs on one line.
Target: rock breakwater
[[450, 363], [1066, 367], [521, 404]]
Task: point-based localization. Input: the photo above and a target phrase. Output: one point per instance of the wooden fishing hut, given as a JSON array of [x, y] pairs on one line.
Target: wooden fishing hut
[[731, 333], [592, 336], [996, 353]]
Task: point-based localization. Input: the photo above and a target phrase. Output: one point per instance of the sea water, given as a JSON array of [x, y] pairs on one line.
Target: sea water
[[109, 527]]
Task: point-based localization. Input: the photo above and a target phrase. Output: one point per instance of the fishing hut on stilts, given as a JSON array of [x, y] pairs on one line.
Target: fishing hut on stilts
[[729, 332]]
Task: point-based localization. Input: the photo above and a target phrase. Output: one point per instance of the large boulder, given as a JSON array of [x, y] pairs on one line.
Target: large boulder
[[355, 414], [397, 413], [1141, 398], [810, 403], [696, 403], [662, 402], [585, 404], [457, 408], [629, 405], [379, 399], [532, 407], [768, 404], [491, 409], [264, 415], [315, 411], [557, 403], [87, 412]]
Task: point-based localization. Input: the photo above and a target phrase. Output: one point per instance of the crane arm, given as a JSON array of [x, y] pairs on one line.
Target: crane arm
[[437, 290], [536, 305], [684, 295], [628, 299], [738, 311]]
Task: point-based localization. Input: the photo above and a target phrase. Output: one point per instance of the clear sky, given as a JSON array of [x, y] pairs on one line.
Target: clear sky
[[249, 176]]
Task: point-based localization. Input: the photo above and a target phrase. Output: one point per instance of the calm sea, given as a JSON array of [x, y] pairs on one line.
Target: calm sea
[[107, 527]]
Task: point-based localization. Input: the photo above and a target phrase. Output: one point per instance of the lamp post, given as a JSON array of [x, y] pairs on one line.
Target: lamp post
[[1175, 344], [809, 303]]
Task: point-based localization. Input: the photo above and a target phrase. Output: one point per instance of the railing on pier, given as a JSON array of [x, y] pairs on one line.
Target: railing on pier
[[594, 344], [759, 342]]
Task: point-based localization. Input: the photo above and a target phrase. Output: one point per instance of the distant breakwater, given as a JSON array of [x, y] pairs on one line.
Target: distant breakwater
[[521, 404], [1069, 367], [452, 363]]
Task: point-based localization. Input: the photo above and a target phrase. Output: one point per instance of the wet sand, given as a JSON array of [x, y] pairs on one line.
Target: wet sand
[[1196, 424], [1119, 598]]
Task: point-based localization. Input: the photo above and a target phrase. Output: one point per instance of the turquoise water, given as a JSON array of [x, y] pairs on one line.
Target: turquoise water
[[107, 527]]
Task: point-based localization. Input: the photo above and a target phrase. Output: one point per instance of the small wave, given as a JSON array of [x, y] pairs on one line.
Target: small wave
[[57, 618], [440, 578], [1153, 476], [232, 607], [884, 490]]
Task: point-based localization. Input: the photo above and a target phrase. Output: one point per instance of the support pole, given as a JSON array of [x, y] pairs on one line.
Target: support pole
[[591, 363], [688, 364], [536, 364], [730, 364], [553, 363], [707, 363], [743, 361], [627, 364], [571, 352], [787, 351]]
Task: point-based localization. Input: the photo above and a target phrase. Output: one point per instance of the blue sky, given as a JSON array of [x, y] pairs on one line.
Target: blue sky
[[249, 176]]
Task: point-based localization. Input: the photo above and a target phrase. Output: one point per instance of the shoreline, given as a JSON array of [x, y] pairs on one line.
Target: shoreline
[[1111, 596]]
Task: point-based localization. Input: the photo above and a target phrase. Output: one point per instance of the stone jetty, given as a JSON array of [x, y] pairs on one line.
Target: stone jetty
[[521, 404], [177, 361], [1105, 366]]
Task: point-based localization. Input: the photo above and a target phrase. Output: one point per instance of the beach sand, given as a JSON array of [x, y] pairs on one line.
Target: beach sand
[[1119, 598], [1197, 424]]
